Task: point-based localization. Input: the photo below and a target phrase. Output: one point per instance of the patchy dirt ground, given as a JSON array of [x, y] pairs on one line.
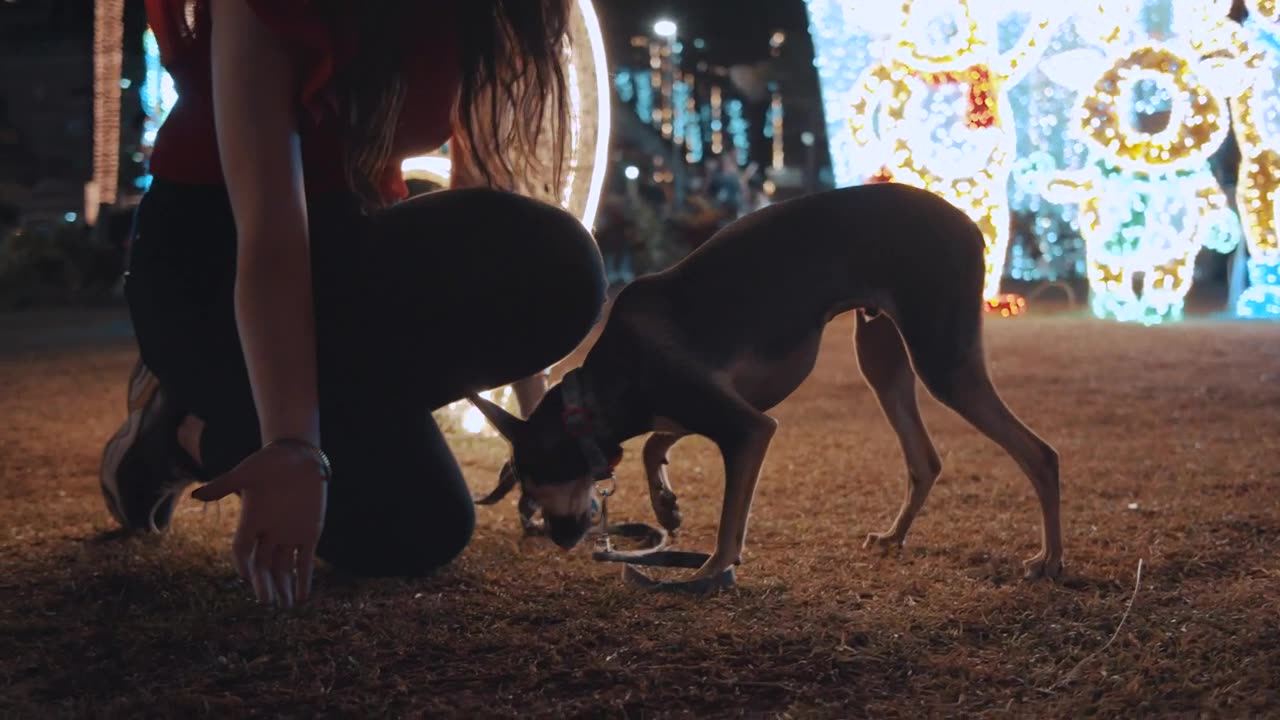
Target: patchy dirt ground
[[1170, 456]]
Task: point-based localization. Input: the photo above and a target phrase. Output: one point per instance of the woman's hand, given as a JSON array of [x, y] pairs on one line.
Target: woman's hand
[[283, 492]]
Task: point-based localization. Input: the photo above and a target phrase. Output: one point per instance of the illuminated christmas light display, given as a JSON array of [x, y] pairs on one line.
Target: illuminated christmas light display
[[693, 125], [655, 80], [158, 96], [158, 91], [773, 130], [644, 100], [928, 105], [681, 94], [1256, 112], [738, 129], [1046, 245], [1151, 113], [623, 84], [1094, 125], [108, 61], [667, 64], [717, 120]]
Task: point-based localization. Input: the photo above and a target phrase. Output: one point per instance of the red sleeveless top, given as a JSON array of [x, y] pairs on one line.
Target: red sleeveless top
[[186, 148]]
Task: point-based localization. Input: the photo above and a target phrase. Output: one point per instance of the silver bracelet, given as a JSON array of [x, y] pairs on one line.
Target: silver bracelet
[[325, 468]]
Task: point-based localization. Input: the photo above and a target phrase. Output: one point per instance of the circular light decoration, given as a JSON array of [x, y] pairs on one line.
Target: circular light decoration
[[585, 163], [1256, 112], [929, 108], [1148, 200], [1197, 123]]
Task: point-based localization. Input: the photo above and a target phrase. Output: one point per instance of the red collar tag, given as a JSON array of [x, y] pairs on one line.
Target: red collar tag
[[577, 421]]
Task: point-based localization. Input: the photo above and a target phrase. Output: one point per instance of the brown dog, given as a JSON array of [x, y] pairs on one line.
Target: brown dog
[[711, 344]]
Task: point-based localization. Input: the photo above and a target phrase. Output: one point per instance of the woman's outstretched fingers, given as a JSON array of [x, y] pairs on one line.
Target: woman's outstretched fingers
[[219, 487], [282, 575], [306, 566], [242, 552], [263, 584]]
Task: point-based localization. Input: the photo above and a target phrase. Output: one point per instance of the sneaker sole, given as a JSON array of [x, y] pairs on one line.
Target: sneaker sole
[[142, 389], [112, 457]]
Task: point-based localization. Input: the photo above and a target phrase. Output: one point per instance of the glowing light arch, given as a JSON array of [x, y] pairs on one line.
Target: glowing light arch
[[587, 153]]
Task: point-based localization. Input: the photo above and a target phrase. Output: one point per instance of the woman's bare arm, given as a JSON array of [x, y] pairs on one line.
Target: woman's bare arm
[[282, 486], [254, 87]]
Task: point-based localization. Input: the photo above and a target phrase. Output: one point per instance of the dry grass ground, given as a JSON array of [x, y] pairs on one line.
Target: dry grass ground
[[1170, 456]]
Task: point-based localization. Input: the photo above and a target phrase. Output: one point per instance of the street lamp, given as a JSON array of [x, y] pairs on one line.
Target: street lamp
[[668, 69], [809, 141]]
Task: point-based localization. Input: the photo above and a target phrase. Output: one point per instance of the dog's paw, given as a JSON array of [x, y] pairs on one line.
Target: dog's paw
[[715, 566], [667, 509], [1043, 567], [886, 542]]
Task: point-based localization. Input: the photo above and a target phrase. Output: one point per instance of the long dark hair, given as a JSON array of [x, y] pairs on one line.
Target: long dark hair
[[513, 83]]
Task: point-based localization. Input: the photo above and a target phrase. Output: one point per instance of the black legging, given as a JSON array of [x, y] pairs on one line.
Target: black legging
[[415, 305]]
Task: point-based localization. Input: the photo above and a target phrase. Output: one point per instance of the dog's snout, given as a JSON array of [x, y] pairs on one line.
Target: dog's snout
[[567, 531]]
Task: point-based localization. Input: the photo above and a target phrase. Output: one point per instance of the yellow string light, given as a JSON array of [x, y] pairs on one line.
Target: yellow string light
[[964, 151], [108, 60], [1256, 113], [1197, 119], [1150, 201]]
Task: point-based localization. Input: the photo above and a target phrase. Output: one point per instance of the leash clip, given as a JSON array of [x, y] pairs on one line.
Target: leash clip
[[603, 543]]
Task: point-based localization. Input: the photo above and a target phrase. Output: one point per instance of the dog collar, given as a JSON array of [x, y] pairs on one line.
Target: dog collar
[[578, 423]]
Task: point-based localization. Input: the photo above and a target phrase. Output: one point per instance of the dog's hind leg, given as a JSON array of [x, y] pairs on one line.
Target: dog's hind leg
[[661, 496], [952, 366], [882, 358]]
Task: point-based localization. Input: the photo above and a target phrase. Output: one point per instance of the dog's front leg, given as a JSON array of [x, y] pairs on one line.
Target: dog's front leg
[[661, 495], [744, 452]]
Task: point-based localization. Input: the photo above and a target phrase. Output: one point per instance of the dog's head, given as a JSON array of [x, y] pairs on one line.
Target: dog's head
[[549, 462]]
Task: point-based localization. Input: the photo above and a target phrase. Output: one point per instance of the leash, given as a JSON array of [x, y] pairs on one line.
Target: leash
[[655, 556], [654, 542]]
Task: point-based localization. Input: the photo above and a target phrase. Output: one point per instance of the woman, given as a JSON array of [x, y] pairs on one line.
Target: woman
[[285, 301]]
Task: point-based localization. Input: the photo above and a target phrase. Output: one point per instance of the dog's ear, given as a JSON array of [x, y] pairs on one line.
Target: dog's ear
[[507, 480], [508, 426]]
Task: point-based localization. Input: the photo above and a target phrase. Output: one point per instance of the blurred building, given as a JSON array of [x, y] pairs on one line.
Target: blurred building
[[46, 109], [716, 78]]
